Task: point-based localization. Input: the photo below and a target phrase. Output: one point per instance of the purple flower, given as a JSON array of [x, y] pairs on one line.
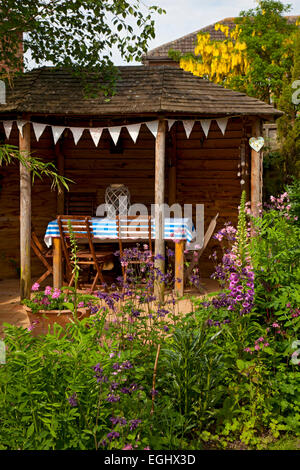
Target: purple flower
[[73, 400], [48, 290], [35, 286], [135, 313], [112, 398], [117, 420], [113, 435], [126, 365], [134, 424]]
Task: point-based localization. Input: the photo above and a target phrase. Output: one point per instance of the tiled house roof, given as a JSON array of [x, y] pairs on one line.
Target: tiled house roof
[[187, 43]]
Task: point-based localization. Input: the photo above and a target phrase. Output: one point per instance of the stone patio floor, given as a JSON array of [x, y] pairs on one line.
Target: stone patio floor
[[12, 312]]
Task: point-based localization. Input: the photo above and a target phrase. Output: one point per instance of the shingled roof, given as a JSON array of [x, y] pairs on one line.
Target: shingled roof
[[141, 90], [187, 44]]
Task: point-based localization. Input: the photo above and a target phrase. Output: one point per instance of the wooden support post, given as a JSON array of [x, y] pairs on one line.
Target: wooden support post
[[179, 267], [160, 150], [172, 178], [57, 263], [61, 171], [256, 172], [25, 216]]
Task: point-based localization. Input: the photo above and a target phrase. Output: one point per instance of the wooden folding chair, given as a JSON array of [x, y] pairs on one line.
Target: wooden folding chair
[[82, 229], [44, 254], [134, 229], [208, 234], [80, 203]]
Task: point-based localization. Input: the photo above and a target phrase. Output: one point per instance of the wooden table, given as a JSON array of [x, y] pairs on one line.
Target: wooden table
[[179, 263]]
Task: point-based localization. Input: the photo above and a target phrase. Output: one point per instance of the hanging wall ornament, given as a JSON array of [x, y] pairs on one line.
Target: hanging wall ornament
[[77, 133], [242, 164], [38, 129], [134, 130], [188, 127], [96, 135], [57, 132], [115, 133], [7, 128], [205, 123], [153, 127], [222, 123], [256, 143]]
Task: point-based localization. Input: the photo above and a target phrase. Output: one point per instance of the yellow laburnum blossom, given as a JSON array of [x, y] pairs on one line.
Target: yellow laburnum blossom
[[220, 59]]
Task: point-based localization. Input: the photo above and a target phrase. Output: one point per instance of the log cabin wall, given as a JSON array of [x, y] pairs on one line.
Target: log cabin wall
[[206, 173], [43, 207]]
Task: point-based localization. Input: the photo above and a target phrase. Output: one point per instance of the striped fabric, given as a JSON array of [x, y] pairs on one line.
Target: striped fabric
[[106, 229]]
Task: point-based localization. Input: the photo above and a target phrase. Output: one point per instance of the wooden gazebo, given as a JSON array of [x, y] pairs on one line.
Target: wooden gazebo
[[210, 164]]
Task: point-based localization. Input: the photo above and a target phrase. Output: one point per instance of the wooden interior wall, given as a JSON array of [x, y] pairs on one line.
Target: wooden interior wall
[[43, 206], [93, 169], [206, 173]]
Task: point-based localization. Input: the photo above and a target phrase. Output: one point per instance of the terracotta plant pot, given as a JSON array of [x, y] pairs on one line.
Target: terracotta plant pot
[[48, 318]]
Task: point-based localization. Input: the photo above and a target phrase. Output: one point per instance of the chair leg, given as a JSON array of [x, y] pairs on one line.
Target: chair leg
[[44, 276], [71, 280], [95, 281]]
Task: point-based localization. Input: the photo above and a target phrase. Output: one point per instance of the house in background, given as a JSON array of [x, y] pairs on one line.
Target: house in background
[[186, 44]]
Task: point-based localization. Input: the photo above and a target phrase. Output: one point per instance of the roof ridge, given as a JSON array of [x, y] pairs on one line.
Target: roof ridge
[[190, 35]]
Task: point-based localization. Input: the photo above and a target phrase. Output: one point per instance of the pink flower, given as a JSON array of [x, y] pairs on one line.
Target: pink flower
[[256, 347], [33, 325], [127, 447], [275, 325], [48, 290], [80, 304], [56, 293], [35, 286]]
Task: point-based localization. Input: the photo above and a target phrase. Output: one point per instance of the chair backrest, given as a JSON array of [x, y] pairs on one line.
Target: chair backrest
[[78, 226], [134, 228], [80, 203], [209, 232], [35, 242]]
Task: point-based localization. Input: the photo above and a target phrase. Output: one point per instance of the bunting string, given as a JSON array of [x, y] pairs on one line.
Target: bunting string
[[133, 129]]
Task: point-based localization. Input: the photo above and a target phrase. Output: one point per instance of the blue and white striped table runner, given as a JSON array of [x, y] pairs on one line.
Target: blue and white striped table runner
[[106, 229]]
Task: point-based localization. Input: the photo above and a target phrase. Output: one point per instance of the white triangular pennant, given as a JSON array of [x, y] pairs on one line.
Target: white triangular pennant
[[205, 123], [38, 129], [153, 127], [170, 123], [115, 133], [77, 133], [57, 132], [188, 127], [134, 130], [7, 127], [222, 123], [96, 135], [20, 125]]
